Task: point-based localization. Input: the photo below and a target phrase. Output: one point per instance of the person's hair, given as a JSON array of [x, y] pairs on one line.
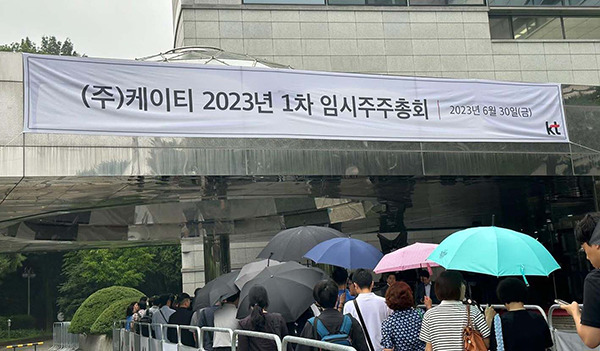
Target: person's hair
[[129, 311], [259, 300], [362, 278], [164, 299], [512, 290], [339, 275], [325, 293], [447, 285], [181, 298], [143, 305], [424, 273], [232, 298], [399, 296], [585, 227], [154, 301]]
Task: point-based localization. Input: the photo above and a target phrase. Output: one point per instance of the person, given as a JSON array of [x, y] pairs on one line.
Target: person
[[400, 331], [369, 309], [587, 233], [340, 276], [162, 315], [326, 295], [390, 279], [262, 321], [154, 303], [205, 317], [443, 325], [425, 287], [142, 311], [224, 317], [522, 330], [181, 316], [352, 287], [131, 310]]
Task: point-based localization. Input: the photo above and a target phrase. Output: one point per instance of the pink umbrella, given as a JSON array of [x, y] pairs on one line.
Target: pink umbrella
[[410, 257]]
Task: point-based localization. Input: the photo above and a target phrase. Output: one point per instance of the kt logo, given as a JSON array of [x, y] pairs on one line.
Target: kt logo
[[552, 129]]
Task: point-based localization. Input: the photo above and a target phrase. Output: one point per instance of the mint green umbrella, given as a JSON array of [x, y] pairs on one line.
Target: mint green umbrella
[[494, 251]]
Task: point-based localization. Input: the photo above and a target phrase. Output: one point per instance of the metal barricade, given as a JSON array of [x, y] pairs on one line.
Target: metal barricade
[[62, 340], [565, 340], [253, 334], [314, 343], [195, 331], [527, 307], [215, 330], [166, 344]]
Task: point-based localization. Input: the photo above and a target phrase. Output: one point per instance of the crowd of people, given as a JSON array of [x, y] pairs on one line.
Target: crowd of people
[[349, 313]]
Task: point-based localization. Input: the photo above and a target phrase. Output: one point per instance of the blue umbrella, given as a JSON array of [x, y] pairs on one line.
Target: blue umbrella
[[494, 251], [345, 252]]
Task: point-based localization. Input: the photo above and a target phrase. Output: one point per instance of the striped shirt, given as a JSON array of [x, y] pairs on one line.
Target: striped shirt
[[443, 325]]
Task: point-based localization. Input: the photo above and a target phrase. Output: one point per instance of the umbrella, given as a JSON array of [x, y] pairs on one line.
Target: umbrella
[[292, 244], [216, 290], [251, 270], [346, 252], [289, 287], [409, 257], [494, 251]]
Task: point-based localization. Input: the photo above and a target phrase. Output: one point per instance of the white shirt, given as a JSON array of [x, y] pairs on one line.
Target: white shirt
[[225, 318], [374, 311], [428, 290]]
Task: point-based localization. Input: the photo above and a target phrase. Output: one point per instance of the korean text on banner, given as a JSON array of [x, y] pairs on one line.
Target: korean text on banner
[[95, 96]]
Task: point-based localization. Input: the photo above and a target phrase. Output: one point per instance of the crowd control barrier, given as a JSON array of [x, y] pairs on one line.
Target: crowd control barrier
[[138, 338], [314, 343], [213, 330], [62, 340], [527, 307], [253, 334], [565, 340]]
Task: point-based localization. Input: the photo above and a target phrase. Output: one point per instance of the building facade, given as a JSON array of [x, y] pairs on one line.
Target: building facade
[[515, 40]]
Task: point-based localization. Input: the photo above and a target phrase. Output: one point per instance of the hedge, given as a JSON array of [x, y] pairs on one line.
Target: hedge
[[19, 321], [95, 304], [115, 312]]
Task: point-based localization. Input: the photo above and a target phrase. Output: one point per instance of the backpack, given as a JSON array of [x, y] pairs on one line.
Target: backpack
[[147, 318], [341, 337]]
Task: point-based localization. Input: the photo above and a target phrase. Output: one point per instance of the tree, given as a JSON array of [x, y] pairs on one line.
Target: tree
[[50, 46], [147, 268], [9, 263]]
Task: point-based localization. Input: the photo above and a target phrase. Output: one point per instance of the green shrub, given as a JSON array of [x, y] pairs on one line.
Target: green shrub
[[19, 321], [22, 334], [115, 312], [95, 304]]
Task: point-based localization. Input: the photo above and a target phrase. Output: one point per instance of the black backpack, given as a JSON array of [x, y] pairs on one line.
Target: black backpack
[[147, 318]]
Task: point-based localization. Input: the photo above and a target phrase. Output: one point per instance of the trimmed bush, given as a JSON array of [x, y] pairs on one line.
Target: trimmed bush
[[19, 321], [115, 312], [95, 304]]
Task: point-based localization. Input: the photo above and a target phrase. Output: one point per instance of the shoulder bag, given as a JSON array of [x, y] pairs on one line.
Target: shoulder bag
[[472, 339]]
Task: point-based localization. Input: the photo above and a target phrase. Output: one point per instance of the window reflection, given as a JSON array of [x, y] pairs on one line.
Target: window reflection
[[582, 27], [537, 28]]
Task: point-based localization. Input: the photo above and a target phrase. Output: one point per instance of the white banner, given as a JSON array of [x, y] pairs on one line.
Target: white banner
[[93, 96]]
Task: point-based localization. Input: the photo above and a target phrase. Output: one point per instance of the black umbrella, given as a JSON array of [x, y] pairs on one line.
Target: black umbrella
[[289, 287], [216, 290], [292, 244]]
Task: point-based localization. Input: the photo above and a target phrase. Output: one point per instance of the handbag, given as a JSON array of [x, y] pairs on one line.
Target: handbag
[[472, 339]]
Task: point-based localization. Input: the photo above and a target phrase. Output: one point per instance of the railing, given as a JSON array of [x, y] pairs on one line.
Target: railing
[[134, 340], [527, 307], [254, 334], [314, 343], [61, 338]]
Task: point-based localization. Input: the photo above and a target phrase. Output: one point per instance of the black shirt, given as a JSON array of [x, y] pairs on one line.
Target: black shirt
[[523, 330], [274, 324], [182, 316], [332, 320], [591, 300]]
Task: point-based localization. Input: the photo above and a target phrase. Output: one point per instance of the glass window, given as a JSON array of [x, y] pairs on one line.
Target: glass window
[[368, 2], [500, 27], [583, 2], [286, 2], [582, 27], [537, 27], [527, 2], [446, 2]]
